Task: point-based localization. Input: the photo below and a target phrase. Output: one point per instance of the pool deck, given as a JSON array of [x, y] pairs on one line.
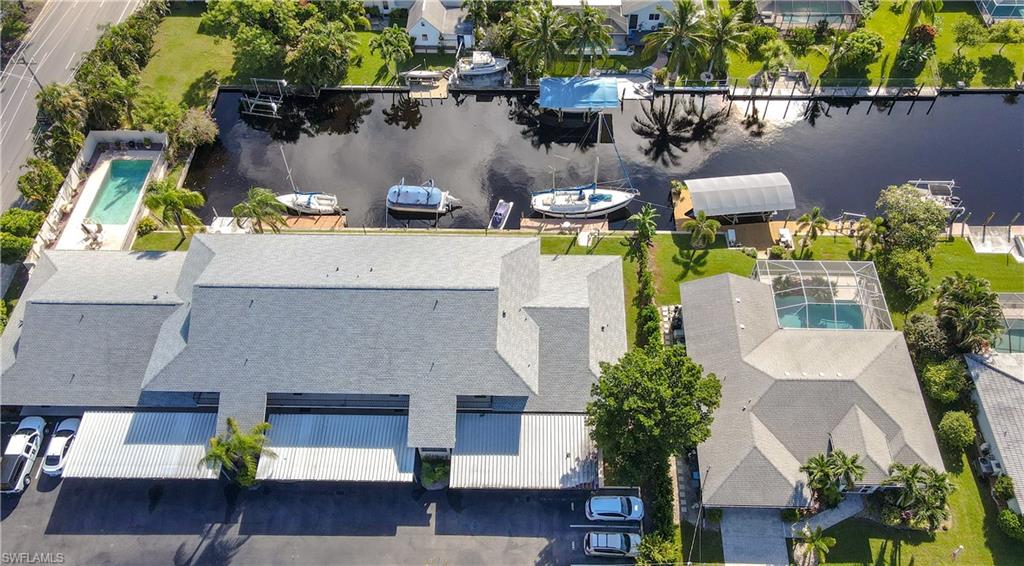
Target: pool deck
[[115, 236]]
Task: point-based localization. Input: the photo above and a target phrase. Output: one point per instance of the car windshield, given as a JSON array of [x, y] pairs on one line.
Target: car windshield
[[625, 544], [52, 460], [627, 507], [24, 431], [62, 433]]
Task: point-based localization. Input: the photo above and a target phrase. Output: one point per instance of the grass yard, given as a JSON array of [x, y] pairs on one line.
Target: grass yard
[[890, 22], [161, 242], [707, 549]]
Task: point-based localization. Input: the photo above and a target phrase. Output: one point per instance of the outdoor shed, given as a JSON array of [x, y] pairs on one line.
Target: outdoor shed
[[742, 196]]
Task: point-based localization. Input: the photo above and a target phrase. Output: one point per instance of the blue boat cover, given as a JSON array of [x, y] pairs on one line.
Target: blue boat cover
[[415, 195], [579, 93]]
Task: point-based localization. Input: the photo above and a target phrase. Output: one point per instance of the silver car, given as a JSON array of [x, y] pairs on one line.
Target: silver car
[[60, 444], [615, 508], [611, 544], [20, 454]]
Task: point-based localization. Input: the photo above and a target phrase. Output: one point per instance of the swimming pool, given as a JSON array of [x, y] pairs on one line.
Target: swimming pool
[[842, 315], [116, 198]]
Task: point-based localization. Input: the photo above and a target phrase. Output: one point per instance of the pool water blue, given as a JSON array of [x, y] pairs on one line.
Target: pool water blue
[[845, 316], [115, 201]]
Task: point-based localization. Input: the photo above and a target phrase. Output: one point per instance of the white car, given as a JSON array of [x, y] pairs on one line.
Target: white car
[[20, 455], [615, 508], [611, 544], [60, 443]]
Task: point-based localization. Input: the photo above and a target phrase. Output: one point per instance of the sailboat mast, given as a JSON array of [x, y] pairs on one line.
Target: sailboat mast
[[287, 169]]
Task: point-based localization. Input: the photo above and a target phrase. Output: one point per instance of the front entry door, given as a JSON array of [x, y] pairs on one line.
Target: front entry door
[[632, 21]]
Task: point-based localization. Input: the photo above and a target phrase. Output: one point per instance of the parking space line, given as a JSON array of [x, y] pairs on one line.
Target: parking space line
[[603, 526]]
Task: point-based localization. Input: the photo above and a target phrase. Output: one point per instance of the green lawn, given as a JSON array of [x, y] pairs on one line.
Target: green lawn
[[707, 549], [996, 70], [161, 242]]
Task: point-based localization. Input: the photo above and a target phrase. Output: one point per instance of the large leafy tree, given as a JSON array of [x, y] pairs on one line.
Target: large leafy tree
[[969, 312], [911, 221], [652, 403], [59, 143], [263, 208], [702, 229], [349, 13], [256, 51], [40, 183], [588, 32], [542, 35], [156, 112], [174, 204], [392, 44], [225, 17], [321, 57], [61, 103], [683, 34], [238, 452], [195, 128], [723, 32], [1007, 32]]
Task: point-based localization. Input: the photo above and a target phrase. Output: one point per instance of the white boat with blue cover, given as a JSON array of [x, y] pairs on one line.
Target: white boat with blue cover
[[310, 203], [583, 201], [425, 198]]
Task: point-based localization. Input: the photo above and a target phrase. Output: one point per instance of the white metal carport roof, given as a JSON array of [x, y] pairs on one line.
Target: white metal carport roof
[[523, 451], [141, 445], [741, 194], [338, 448]]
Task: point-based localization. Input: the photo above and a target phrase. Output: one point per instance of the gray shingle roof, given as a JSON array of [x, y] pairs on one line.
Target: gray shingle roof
[[785, 392], [999, 389], [431, 317], [446, 17]]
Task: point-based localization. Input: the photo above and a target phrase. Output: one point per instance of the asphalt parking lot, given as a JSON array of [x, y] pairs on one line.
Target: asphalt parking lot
[[211, 522]]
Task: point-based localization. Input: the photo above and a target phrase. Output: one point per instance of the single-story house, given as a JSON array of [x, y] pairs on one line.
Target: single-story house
[[791, 14], [999, 393], [437, 24], [993, 11], [627, 20], [809, 363], [359, 350]]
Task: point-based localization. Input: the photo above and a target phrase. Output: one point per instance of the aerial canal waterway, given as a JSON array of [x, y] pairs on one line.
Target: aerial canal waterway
[[487, 148]]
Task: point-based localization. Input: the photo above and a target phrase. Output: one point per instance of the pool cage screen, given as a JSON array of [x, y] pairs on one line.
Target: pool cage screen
[[1012, 339], [786, 15], [839, 295]]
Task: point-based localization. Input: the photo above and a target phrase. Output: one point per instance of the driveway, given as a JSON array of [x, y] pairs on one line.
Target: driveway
[[754, 536], [210, 522]]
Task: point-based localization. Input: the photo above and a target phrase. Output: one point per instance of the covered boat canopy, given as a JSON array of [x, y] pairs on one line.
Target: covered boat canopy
[[142, 445], [579, 94], [416, 196], [742, 195]]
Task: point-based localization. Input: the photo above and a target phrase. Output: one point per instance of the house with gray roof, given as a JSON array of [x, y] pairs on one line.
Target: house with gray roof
[[439, 23], [416, 331], [805, 370]]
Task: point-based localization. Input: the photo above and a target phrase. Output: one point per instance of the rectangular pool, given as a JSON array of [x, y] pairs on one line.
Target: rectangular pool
[[119, 193]]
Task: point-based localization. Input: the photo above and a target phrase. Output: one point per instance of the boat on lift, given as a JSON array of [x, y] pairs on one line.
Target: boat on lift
[[481, 63], [941, 193], [423, 75], [501, 213], [310, 203], [424, 198]]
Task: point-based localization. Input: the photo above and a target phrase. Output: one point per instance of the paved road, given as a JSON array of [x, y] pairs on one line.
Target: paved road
[[60, 34]]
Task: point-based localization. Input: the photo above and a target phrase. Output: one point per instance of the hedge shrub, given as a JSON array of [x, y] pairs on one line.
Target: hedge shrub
[[945, 381], [20, 222], [956, 430], [1012, 524], [13, 249], [1003, 487], [927, 342], [648, 326]]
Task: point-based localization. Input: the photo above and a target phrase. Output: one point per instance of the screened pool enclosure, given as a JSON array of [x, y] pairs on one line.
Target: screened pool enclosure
[[1012, 339], [838, 295]]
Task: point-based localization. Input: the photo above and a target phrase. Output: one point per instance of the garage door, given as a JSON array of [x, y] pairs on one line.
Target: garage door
[[338, 448], [126, 444], [523, 451]]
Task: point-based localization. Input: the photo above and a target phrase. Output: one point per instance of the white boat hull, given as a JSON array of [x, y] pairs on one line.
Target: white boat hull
[[501, 213], [310, 203], [567, 203], [478, 66]]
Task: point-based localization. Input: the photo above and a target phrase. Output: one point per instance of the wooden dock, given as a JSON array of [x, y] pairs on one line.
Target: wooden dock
[[570, 226], [429, 90], [325, 223]]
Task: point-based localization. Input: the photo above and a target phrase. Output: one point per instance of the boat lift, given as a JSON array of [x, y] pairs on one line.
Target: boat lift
[[268, 100]]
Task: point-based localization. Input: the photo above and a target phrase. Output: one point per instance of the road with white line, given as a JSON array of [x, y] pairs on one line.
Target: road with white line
[[62, 32]]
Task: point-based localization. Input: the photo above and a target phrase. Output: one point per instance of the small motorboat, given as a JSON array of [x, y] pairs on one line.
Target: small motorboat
[[941, 193], [420, 198], [583, 201], [422, 75], [310, 203], [501, 214], [481, 63]]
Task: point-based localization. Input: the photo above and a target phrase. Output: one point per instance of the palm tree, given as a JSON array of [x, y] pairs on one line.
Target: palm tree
[[937, 485], [833, 52], [869, 234], [723, 32], [919, 289], [702, 229], [644, 223], [846, 467], [682, 34], [477, 11], [817, 544], [127, 90], [263, 208], [541, 36], [59, 102], [908, 479], [392, 44], [587, 30], [969, 311], [812, 224], [819, 470], [239, 452], [174, 204], [926, 8]]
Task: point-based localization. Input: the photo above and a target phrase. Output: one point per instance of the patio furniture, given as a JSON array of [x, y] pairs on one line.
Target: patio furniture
[[785, 238]]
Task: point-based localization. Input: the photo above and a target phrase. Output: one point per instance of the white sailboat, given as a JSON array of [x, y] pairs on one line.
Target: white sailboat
[[310, 203], [581, 201]]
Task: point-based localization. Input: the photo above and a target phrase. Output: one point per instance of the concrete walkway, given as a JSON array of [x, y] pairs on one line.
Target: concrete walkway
[[754, 536], [852, 504]]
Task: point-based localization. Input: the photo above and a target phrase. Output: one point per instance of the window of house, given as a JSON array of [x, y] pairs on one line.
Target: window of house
[[423, 37], [384, 4], [654, 17]]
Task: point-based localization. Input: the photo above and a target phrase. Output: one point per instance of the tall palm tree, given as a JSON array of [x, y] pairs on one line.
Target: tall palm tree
[[909, 480], [937, 485], [588, 32], [846, 468], [682, 34], [812, 224], [541, 36], [926, 8], [239, 452], [60, 102], [969, 311], [819, 472], [833, 52], [392, 44], [702, 229], [818, 544], [174, 204], [263, 208], [869, 234], [127, 90], [645, 224], [723, 32]]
